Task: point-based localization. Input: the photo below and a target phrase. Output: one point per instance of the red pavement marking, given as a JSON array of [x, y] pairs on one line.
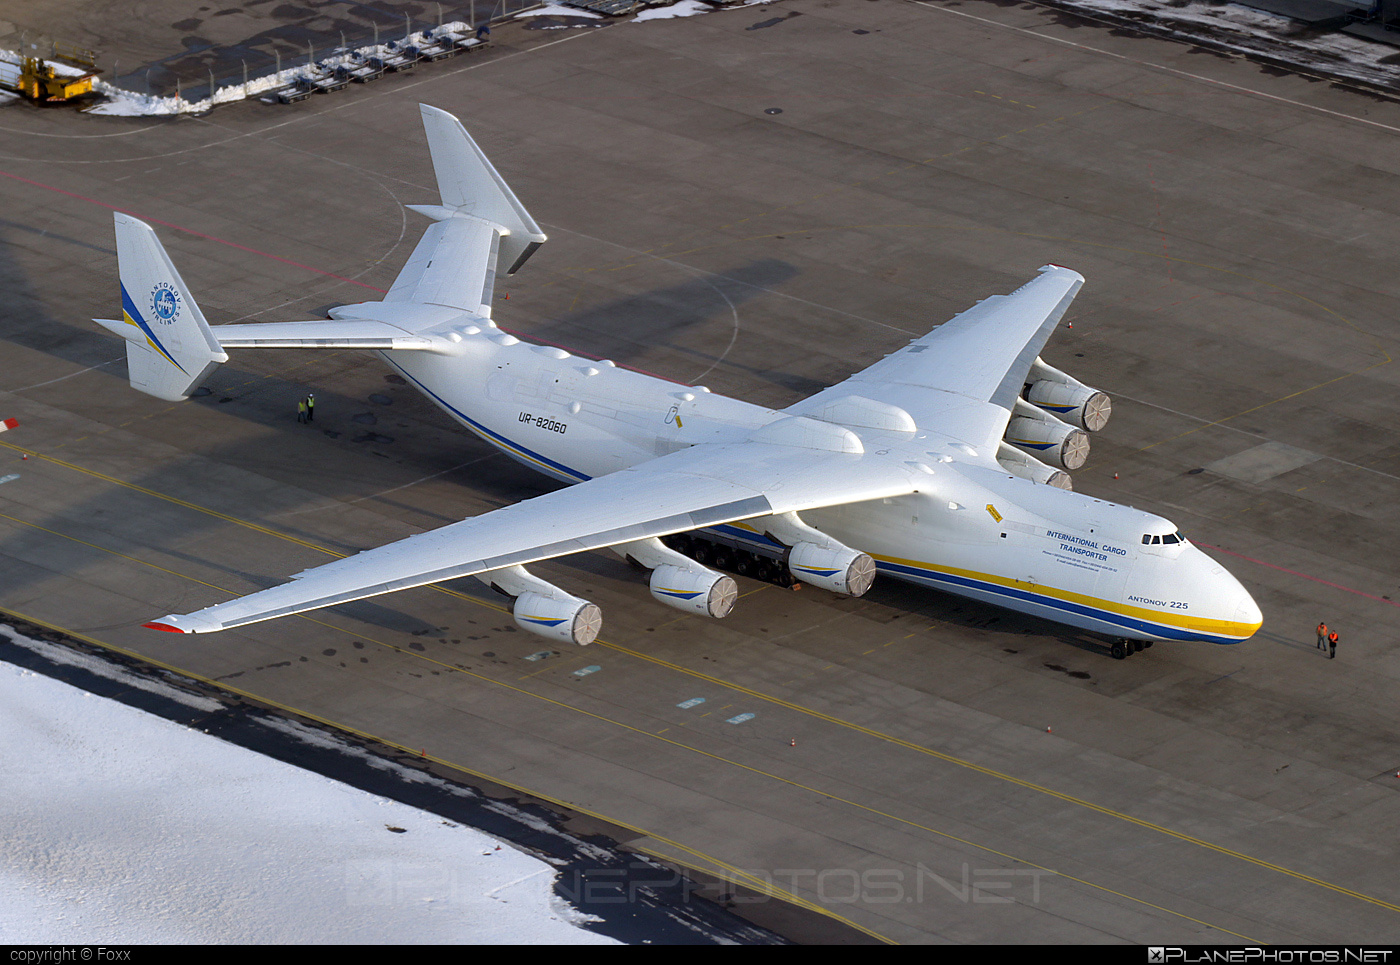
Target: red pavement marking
[[231, 244], [1275, 566], [295, 264]]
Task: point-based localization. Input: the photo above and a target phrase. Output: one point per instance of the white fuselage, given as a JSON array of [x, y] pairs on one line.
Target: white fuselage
[[976, 530]]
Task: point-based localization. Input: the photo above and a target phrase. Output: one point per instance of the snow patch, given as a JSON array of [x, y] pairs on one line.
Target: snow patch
[[685, 8], [558, 10], [72, 658], [125, 828], [1249, 31]]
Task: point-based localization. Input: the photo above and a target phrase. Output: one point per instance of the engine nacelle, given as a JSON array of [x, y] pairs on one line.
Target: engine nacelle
[[1018, 463], [1047, 438], [834, 567], [1067, 398], [695, 589], [560, 617]]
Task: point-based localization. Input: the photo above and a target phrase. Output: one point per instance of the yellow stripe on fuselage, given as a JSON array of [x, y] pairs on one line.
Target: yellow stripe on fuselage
[[1179, 621]]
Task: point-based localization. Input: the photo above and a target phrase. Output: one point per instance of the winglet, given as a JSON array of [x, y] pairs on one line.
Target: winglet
[[469, 183]]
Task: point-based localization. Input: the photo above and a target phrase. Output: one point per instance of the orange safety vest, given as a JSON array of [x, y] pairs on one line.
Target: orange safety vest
[[1332, 638]]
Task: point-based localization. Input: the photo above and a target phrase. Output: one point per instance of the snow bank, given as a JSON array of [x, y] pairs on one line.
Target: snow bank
[[558, 10], [126, 103], [685, 8], [125, 828]]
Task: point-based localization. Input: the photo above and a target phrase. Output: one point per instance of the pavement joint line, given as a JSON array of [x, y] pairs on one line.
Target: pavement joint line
[[745, 877], [948, 758], [188, 231], [1087, 15], [802, 710], [777, 700]]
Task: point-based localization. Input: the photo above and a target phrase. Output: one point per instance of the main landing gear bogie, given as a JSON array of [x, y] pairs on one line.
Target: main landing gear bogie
[[706, 552], [1123, 647]]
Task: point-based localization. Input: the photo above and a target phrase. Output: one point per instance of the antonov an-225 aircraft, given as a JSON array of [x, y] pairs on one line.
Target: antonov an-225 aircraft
[[943, 464]]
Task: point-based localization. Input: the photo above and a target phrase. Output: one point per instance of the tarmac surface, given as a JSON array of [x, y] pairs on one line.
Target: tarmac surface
[[921, 768]]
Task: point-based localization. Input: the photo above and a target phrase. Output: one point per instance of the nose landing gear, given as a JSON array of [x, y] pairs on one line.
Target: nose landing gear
[[1123, 646]]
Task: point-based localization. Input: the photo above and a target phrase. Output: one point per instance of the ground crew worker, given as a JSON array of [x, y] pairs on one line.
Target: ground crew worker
[[301, 410], [1332, 645], [1322, 636], [310, 407]]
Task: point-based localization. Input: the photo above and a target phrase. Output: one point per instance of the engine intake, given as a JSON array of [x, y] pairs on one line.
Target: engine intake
[[542, 608], [562, 617], [1018, 463], [1067, 398], [695, 590], [837, 568], [1047, 438]]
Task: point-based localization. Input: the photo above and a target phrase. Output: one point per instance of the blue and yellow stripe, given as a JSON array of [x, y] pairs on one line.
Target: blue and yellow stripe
[[1154, 623], [132, 316]]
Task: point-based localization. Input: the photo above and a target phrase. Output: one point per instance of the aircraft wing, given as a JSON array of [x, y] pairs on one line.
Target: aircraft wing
[[981, 355], [692, 489]]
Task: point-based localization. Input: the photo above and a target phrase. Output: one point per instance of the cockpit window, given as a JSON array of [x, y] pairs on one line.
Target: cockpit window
[[1171, 539]]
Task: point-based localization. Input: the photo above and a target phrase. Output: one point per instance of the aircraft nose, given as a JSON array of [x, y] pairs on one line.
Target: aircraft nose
[[1232, 602], [1247, 611]]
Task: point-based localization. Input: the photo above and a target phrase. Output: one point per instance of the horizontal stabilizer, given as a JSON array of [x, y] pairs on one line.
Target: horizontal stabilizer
[[454, 265], [349, 333]]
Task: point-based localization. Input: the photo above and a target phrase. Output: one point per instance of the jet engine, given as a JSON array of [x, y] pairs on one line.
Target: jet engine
[[695, 590], [678, 581], [561, 617], [1066, 398], [544, 609], [1046, 437], [818, 559], [837, 568], [1018, 463]]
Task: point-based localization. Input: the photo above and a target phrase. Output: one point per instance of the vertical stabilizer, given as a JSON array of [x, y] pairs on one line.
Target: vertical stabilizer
[[169, 347], [470, 184]]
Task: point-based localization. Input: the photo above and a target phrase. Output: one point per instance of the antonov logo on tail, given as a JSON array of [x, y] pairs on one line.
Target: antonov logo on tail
[[165, 302], [866, 477]]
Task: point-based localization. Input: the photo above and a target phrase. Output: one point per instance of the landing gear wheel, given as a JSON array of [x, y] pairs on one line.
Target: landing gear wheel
[[1137, 646], [1118, 650]]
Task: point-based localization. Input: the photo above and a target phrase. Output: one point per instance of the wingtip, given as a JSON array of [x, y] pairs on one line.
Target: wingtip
[[156, 625]]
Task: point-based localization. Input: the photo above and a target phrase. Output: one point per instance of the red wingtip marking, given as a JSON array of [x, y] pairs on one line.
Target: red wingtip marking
[[10, 423], [162, 626]]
